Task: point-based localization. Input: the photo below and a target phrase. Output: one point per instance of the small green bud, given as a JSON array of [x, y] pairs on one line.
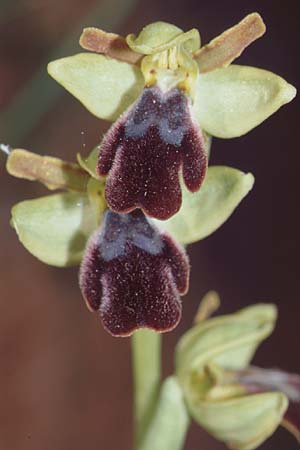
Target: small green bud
[[206, 358]]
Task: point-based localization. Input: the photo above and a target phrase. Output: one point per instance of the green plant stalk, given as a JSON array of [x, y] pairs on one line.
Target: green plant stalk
[[146, 362]]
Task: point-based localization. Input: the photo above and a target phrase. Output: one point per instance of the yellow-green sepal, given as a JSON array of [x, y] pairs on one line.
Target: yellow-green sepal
[[231, 101], [243, 423], [229, 341], [55, 228], [105, 86], [205, 211]]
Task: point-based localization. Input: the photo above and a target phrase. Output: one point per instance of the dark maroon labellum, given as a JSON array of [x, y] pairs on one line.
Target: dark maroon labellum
[[144, 151], [133, 274]]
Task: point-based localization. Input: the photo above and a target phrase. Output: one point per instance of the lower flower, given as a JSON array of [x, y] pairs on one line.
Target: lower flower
[[133, 274]]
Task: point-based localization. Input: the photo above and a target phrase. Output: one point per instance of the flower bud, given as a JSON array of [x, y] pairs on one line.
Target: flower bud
[[207, 357]]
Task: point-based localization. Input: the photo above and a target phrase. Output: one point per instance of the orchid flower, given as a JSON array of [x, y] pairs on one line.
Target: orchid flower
[[166, 96], [132, 271]]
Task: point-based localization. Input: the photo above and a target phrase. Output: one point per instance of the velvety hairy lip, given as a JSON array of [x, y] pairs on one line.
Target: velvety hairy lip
[[144, 150], [133, 275]]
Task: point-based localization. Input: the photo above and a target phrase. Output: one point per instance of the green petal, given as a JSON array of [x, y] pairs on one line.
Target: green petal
[[110, 44], [168, 427], [242, 423], [52, 172], [231, 101], [229, 341], [203, 212], [106, 87], [229, 45], [55, 228]]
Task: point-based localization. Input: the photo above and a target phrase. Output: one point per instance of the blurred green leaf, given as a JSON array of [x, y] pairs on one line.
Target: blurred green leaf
[[106, 87], [170, 421], [233, 100], [55, 228], [205, 211]]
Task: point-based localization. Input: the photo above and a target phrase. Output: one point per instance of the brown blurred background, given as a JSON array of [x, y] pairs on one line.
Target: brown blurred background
[[64, 382]]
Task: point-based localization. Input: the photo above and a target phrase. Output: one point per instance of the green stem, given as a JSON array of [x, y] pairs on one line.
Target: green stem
[[146, 355]]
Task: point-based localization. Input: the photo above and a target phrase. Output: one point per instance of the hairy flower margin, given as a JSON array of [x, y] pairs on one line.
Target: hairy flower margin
[[168, 96]]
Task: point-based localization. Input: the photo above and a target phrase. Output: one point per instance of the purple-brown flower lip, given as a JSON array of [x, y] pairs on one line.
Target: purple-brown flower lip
[[133, 275], [145, 149]]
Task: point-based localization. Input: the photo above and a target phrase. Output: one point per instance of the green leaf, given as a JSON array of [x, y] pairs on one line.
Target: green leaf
[[203, 212], [229, 341], [55, 228], [106, 87], [242, 423], [231, 101], [169, 424]]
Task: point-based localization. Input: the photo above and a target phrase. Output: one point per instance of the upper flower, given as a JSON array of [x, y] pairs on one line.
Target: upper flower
[[144, 150], [173, 94]]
